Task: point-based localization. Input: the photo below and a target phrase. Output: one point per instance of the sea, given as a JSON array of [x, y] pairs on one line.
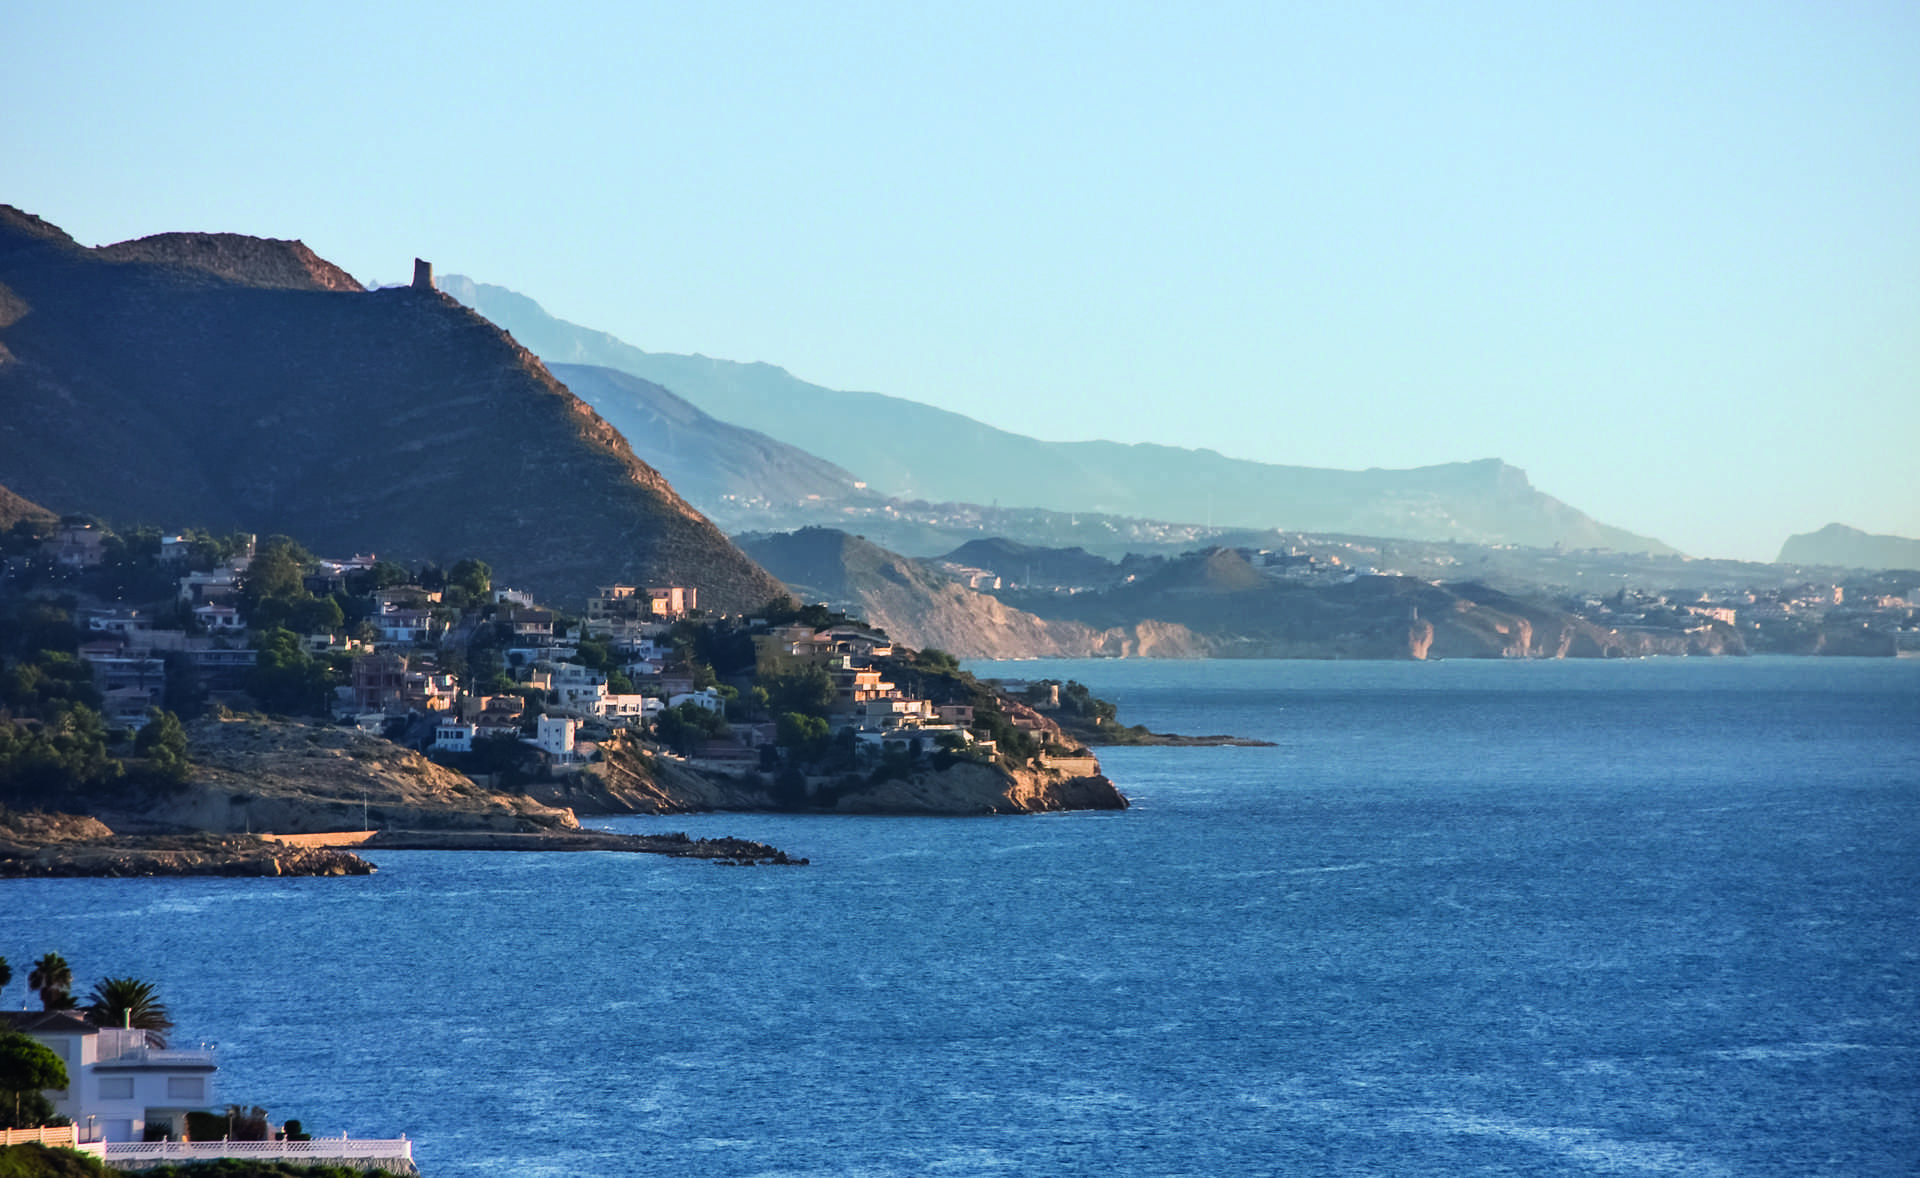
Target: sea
[[1652, 917]]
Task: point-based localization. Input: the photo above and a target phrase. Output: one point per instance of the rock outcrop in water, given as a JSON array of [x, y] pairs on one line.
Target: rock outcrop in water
[[67, 845]]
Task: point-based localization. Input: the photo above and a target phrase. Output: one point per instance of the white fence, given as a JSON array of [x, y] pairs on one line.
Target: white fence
[[319, 1149]]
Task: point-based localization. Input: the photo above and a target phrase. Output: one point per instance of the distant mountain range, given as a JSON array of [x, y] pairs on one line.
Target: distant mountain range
[[234, 382], [733, 473], [1840, 546], [1207, 603], [913, 451]]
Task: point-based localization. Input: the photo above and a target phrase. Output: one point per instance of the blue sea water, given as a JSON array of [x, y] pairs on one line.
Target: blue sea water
[[1655, 917]]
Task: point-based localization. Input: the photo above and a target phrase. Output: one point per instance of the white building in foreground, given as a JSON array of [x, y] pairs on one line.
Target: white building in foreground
[[117, 1086]]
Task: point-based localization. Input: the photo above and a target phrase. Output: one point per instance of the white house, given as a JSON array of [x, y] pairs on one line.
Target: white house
[[555, 736], [118, 1086], [455, 736], [628, 708], [578, 686], [708, 699], [219, 619]]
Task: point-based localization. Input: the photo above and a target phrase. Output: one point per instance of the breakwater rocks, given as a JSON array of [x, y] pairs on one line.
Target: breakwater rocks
[[173, 855], [729, 852]]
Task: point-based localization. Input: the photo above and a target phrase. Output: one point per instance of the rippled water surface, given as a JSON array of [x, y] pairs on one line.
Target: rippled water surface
[[1466, 918]]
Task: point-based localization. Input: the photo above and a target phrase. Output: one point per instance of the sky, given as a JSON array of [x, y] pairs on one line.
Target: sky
[[1665, 258]]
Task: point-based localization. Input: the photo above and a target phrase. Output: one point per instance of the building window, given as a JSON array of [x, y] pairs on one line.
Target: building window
[[116, 1088], [186, 1088]]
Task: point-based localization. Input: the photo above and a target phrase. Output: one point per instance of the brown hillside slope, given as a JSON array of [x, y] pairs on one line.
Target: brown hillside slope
[[13, 509], [251, 261], [198, 389]]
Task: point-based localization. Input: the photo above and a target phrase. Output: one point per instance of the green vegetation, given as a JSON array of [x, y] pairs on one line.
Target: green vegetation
[[684, 727], [43, 1161], [27, 1067], [52, 979], [55, 749], [806, 689], [163, 742], [287, 680], [129, 1002]]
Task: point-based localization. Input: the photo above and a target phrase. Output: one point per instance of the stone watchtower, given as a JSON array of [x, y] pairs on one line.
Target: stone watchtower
[[422, 275]]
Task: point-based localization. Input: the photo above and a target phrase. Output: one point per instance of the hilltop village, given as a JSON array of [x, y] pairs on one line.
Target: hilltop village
[[167, 660]]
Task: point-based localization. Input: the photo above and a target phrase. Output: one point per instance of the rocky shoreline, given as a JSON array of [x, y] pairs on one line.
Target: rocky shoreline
[[125, 857]]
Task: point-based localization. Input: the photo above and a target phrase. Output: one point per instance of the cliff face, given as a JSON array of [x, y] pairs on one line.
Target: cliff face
[[235, 384], [985, 789]]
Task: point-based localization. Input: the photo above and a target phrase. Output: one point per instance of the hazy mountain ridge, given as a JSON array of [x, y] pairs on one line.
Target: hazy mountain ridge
[[718, 466], [1485, 501], [1839, 546], [195, 390]]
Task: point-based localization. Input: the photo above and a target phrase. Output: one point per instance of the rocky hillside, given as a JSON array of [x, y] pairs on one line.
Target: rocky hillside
[[293, 778], [13, 509], [230, 383], [925, 609], [250, 261], [1482, 502], [1840, 546]]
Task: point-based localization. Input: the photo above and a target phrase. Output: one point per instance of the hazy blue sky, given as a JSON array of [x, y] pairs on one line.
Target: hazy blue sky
[[1665, 257]]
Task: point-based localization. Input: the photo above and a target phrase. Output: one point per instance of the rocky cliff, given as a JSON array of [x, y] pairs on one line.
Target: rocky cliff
[[970, 788]]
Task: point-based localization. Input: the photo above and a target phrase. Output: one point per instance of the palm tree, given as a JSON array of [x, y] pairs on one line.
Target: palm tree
[[129, 1002], [53, 978]]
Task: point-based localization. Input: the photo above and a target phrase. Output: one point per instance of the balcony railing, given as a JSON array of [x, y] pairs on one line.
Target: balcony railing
[[155, 1057]]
